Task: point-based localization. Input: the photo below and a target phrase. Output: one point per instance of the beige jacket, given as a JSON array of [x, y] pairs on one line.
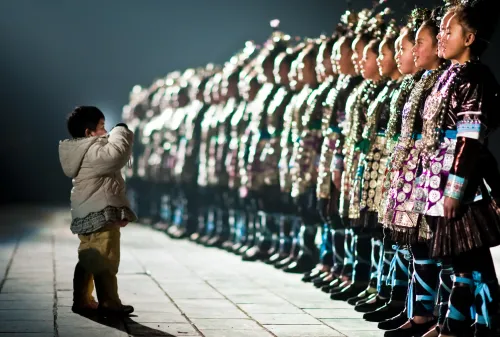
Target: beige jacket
[[98, 196]]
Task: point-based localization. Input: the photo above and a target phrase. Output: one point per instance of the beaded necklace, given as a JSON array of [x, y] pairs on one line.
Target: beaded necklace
[[373, 113], [397, 102], [313, 101], [434, 112], [361, 103], [364, 94], [346, 126], [350, 102], [410, 111], [330, 101], [350, 108]]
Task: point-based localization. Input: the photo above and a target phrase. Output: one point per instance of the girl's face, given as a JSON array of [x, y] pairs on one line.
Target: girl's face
[[404, 56], [332, 55], [268, 67], [456, 41], [249, 86], [358, 47], [281, 69], [425, 49], [284, 70], [229, 88], [324, 67], [99, 131], [369, 67], [343, 57], [254, 89], [293, 75], [442, 32], [307, 70], [276, 68], [385, 61]]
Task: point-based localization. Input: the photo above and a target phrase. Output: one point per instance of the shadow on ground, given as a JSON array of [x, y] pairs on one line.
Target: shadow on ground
[[127, 325]]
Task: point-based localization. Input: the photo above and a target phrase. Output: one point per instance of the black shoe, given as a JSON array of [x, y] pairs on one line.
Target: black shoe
[[285, 262], [371, 305], [242, 250], [369, 298], [254, 254], [332, 285], [199, 239], [276, 258], [235, 247], [323, 281], [415, 329], [363, 296], [204, 239], [311, 275], [350, 291], [298, 267], [194, 237], [271, 251], [215, 242], [383, 313], [394, 322], [340, 287], [125, 310], [228, 245], [169, 230], [321, 276], [84, 311], [179, 233]]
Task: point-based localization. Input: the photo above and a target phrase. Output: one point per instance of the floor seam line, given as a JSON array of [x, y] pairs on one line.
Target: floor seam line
[[168, 296]]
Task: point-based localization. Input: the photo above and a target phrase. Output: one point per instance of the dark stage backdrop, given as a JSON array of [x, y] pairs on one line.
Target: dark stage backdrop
[[56, 54]]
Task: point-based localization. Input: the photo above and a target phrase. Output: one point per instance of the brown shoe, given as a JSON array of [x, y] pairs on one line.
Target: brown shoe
[[85, 309], [124, 310]]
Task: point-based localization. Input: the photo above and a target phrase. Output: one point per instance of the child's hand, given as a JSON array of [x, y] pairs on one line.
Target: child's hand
[[122, 124], [122, 223], [451, 207]]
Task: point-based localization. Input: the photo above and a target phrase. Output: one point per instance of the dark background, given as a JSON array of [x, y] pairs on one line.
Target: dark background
[[56, 54]]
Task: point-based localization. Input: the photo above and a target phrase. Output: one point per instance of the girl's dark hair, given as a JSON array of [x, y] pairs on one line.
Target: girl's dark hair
[[432, 23], [233, 79], [412, 35], [390, 42], [83, 118], [391, 35], [200, 89], [289, 58], [479, 19], [329, 43], [312, 52], [375, 31], [365, 37], [183, 96], [416, 19], [203, 83], [235, 74], [348, 40], [273, 54], [374, 45]]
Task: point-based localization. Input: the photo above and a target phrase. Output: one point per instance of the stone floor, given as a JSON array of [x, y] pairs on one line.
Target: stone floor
[[178, 288]]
